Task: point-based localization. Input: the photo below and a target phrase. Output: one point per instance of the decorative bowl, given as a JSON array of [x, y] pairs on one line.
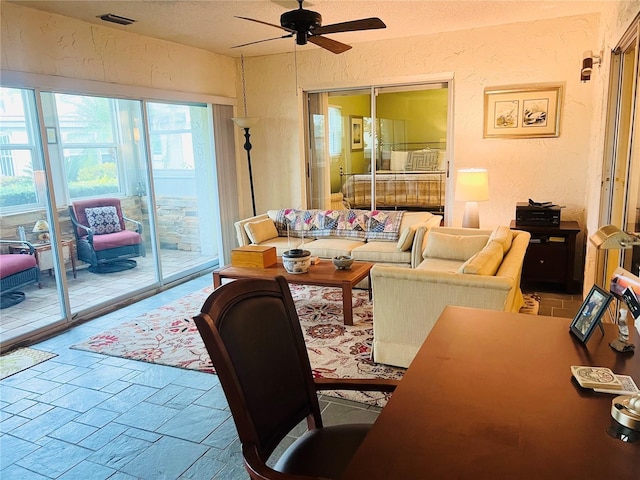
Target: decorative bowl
[[296, 260], [342, 262]]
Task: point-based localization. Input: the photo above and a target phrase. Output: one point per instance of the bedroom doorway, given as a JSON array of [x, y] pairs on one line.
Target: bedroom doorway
[[379, 147]]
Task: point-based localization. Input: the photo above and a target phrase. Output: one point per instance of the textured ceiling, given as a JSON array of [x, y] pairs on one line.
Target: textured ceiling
[[211, 24]]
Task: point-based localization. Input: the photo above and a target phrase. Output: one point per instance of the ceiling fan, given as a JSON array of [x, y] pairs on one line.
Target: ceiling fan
[[306, 26]]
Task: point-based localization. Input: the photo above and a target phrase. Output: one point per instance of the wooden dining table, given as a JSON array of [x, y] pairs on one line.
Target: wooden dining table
[[490, 395]]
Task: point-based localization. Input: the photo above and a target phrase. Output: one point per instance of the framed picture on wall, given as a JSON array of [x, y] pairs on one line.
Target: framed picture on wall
[[357, 133], [526, 111]]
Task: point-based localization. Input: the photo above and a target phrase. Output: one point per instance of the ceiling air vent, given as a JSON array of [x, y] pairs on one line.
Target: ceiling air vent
[[110, 17]]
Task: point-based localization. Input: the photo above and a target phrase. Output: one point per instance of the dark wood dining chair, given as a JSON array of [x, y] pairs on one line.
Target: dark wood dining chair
[[251, 330]]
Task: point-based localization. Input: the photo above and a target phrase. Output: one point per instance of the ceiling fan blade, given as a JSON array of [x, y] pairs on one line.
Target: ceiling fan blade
[[266, 23], [353, 25], [328, 44], [265, 40]]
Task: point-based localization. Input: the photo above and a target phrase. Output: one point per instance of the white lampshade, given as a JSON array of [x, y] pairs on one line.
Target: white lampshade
[[42, 229], [245, 122], [472, 185], [41, 226]]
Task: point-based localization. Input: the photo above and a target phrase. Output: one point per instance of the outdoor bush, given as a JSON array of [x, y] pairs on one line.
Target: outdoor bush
[[17, 191]]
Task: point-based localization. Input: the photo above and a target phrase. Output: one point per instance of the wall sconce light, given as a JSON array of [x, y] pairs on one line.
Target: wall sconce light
[[588, 61], [472, 186]]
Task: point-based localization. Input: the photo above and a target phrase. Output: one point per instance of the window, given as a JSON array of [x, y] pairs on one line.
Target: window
[[19, 149], [89, 139], [171, 136], [335, 131]]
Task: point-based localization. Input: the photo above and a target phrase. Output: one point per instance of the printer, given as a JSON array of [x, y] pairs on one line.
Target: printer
[[537, 214]]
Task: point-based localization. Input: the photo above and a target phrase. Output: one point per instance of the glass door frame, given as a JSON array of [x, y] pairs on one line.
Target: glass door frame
[[412, 83], [39, 84], [621, 158]]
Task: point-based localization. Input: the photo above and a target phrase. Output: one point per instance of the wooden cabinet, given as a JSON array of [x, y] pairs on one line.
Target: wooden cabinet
[[550, 258]]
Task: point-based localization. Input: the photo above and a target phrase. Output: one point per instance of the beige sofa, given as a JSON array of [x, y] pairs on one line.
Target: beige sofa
[[403, 252], [460, 266]]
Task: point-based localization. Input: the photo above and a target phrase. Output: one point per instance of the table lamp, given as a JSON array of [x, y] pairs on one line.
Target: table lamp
[[42, 229], [472, 186]]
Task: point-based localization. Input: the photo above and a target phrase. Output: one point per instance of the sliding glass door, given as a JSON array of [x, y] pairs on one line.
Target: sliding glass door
[[28, 303], [181, 146], [379, 148], [620, 199], [116, 197]]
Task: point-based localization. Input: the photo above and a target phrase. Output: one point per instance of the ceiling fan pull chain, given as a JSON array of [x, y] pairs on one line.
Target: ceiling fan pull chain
[[295, 64], [244, 85]]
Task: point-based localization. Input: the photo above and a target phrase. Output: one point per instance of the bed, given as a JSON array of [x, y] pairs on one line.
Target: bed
[[415, 181]]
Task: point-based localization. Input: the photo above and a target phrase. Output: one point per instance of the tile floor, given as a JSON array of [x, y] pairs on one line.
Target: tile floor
[[42, 307], [83, 415]]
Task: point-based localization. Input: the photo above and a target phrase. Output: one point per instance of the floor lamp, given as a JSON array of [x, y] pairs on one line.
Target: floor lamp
[[472, 186], [246, 123]]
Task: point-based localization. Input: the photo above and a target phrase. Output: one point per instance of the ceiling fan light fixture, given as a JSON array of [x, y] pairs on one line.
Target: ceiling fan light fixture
[[306, 25], [110, 17]]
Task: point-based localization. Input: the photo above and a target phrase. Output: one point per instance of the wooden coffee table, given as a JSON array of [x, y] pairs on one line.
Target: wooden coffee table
[[323, 274]]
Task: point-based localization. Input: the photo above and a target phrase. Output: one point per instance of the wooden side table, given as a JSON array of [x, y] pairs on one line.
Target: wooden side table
[[550, 257], [44, 255]]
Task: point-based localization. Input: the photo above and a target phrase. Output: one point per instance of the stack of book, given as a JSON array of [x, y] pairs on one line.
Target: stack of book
[[602, 379]]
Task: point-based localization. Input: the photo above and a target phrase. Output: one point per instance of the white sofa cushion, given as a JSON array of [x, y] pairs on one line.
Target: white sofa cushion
[[504, 236], [283, 244], [453, 247], [261, 230], [381, 252], [439, 265], [485, 262], [329, 248], [406, 239]]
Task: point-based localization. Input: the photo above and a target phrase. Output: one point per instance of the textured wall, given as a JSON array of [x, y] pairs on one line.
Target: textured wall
[[614, 22], [38, 42], [538, 52]]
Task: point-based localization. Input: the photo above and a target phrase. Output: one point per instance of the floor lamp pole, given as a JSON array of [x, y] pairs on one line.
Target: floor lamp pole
[[247, 147]]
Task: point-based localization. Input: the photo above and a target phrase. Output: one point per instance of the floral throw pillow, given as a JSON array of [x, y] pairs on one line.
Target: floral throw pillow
[[103, 220]]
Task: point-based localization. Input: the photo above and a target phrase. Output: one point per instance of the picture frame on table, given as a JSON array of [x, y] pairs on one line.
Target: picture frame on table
[[590, 313], [526, 111], [356, 129]]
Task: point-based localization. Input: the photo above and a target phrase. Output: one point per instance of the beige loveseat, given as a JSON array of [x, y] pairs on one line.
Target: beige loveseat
[[460, 266], [403, 250]]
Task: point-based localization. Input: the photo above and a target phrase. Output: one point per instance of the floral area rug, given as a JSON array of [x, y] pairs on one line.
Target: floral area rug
[[168, 336], [22, 359], [531, 304]]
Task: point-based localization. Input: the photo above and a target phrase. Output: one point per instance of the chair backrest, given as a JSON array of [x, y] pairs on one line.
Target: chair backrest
[[81, 216], [251, 330]]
